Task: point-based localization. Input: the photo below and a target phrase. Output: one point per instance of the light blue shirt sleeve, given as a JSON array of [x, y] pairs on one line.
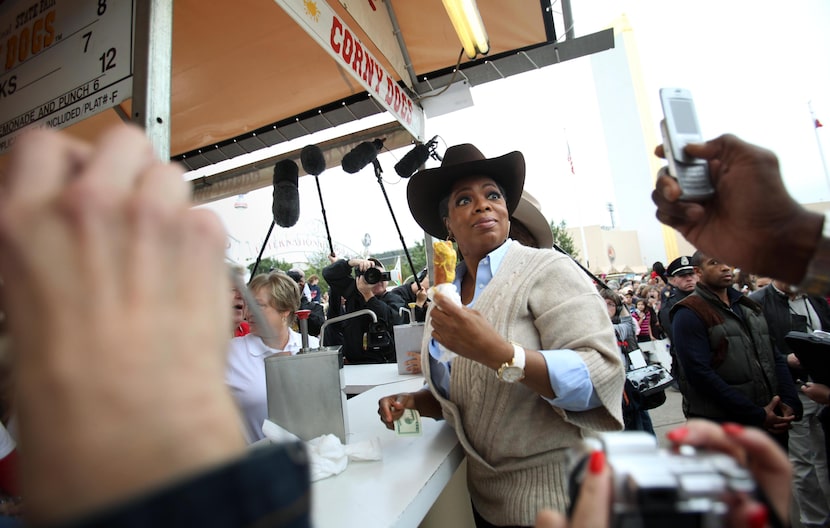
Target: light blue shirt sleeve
[[570, 381], [569, 376]]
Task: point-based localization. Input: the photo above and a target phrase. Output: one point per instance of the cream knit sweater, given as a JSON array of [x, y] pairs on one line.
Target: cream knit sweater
[[516, 442]]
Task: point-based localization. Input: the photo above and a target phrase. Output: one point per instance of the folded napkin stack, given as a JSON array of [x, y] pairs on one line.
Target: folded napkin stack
[[327, 456]]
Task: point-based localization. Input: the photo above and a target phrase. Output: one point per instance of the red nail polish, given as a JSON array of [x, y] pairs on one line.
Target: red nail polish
[[597, 462], [732, 429], [678, 435], [757, 517]]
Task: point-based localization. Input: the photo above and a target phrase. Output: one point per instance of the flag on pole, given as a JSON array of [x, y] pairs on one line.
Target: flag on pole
[[816, 122], [570, 160], [396, 272]]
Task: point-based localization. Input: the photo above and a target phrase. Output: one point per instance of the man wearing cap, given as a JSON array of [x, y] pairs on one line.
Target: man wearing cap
[[682, 280]]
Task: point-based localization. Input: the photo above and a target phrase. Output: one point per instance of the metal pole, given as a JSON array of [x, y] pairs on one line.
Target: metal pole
[[153, 60], [584, 241], [376, 165], [818, 142], [568, 18], [583, 268], [262, 250], [325, 220], [581, 215]]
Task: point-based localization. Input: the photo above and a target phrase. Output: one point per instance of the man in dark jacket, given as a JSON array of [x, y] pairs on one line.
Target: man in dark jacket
[[682, 280], [359, 334], [786, 311], [729, 368]]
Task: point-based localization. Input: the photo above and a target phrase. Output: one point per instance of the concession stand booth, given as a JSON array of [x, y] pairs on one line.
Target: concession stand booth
[[211, 81]]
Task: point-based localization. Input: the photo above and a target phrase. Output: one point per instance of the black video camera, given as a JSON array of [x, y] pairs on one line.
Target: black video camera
[[373, 275]]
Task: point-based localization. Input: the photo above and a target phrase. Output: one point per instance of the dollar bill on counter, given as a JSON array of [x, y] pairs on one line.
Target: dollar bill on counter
[[409, 424]]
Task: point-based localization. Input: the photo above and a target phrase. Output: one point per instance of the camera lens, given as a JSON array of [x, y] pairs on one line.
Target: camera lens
[[372, 276]]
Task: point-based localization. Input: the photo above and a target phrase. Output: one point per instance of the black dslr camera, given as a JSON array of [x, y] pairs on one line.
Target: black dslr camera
[[372, 275], [655, 488]]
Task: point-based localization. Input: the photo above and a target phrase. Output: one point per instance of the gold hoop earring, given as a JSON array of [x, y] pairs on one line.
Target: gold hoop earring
[[450, 238]]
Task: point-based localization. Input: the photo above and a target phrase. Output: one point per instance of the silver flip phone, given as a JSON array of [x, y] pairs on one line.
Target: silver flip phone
[[680, 127]]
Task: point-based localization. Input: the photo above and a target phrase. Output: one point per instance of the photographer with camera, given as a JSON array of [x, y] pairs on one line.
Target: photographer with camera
[[363, 341]]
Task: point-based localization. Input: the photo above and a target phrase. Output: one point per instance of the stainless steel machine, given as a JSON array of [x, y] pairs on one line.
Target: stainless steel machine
[[306, 392]]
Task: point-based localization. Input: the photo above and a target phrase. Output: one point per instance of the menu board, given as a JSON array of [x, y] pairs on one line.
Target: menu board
[[62, 61]]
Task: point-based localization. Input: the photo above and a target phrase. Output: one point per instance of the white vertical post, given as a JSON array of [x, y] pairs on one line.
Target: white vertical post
[[153, 71]]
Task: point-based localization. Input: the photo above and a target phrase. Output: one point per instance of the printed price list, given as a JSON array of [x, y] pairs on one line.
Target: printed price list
[[62, 61]]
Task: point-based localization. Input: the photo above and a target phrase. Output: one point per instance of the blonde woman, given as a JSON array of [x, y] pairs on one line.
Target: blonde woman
[[278, 297]]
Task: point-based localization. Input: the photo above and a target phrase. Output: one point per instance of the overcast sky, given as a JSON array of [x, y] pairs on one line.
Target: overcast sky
[[752, 66]]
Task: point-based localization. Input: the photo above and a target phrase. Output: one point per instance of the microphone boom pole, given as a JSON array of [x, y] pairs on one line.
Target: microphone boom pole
[[378, 170], [583, 268], [262, 250], [314, 163], [325, 220]]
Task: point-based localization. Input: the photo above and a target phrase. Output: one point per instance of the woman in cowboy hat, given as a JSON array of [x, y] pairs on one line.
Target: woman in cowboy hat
[[537, 362]]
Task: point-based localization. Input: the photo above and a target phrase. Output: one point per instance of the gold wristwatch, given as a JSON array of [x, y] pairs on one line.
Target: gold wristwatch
[[514, 370]]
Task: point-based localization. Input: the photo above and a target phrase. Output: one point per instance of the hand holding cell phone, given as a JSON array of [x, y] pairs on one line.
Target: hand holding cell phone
[[680, 127]]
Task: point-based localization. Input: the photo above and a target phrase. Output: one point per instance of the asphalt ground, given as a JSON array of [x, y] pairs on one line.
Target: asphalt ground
[[667, 416]]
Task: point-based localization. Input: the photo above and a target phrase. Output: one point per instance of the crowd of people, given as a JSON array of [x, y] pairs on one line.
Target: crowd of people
[[731, 361], [133, 406]]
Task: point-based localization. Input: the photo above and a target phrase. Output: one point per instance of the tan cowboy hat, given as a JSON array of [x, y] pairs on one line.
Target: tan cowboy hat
[[529, 213], [428, 187]]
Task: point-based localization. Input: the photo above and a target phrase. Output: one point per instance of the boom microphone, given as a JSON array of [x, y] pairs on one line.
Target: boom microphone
[[312, 160], [286, 207], [413, 159], [362, 155], [314, 163]]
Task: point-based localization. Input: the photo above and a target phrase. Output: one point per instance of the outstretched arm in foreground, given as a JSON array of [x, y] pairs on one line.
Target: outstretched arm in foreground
[[117, 299]]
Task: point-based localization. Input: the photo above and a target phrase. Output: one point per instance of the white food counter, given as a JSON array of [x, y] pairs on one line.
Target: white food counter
[[398, 490], [360, 378]]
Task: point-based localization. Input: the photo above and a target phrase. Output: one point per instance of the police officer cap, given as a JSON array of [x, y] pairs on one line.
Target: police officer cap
[[680, 266]]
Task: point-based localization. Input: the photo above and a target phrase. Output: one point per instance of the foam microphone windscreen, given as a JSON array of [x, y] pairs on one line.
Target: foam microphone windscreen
[[312, 160], [412, 161], [286, 207], [362, 155]]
